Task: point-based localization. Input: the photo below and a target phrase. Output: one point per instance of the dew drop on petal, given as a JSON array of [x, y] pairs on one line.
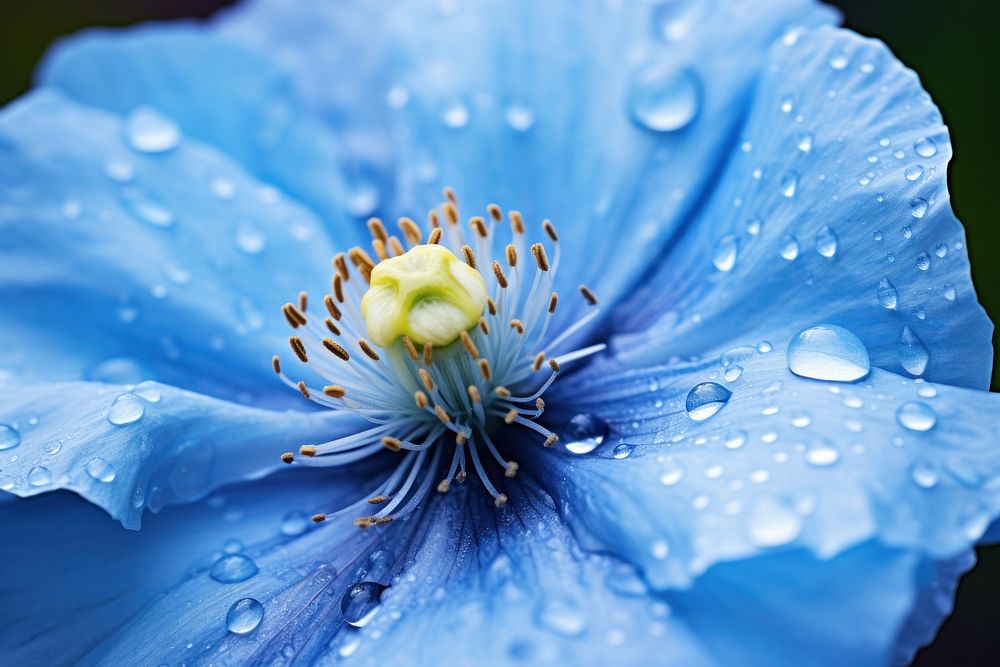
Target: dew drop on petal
[[455, 116], [9, 437], [623, 451], [663, 98], [672, 473], [148, 391], [126, 409], [673, 19], [584, 433], [39, 476], [913, 172], [149, 131], [519, 117], [789, 184], [771, 523], [562, 617], [294, 523], [918, 208], [789, 248], [147, 208], [911, 352], [233, 569], [916, 416], [101, 470], [823, 455], [705, 400], [828, 352], [923, 474], [361, 602], [249, 238], [244, 616], [925, 147], [725, 253], [735, 439], [805, 142], [826, 241], [886, 293]]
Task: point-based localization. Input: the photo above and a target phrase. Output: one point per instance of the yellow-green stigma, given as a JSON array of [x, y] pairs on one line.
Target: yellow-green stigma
[[427, 294], [440, 352]]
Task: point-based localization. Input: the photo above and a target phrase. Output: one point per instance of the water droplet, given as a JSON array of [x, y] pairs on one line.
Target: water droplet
[[561, 616], [823, 455], [913, 172], [706, 399], [735, 439], [941, 250], [886, 293], [294, 523], [233, 569], [911, 352], [148, 391], [801, 420], [805, 142], [828, 352], [623, 451], [918, 208], [455, 116], [101, 470], [789, 184], [664, 99], [839, 61], [949, 292], [360, 603], [244, 616], [923, 261], [725, 253], [39, 476], [583, 433], [119, 171], [520, 117], [733, 373], [753, 226], [916, 416], [9, 437], [362, 196], [147, 208], [925, 147], [923, 474], [826, 241], [249, 238], [149, 131], [771, 523], [126, 409], [659, 549], [673, 19], [787, 105], [789, 248], [672, 473]]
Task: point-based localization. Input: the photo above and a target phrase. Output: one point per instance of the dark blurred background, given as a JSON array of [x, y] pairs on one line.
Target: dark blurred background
[[951, 44]]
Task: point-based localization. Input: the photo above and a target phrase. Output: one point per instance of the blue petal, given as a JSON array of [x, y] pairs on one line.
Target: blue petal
[[836, 210], [784, 462], [218, 92], [120, 265], [128, 449], [535, 114]]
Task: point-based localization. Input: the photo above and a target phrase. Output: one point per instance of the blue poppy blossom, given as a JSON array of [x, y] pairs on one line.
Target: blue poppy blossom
[[762, 433]]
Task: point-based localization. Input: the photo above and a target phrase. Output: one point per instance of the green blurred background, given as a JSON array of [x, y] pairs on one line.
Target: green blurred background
[[952, 45]]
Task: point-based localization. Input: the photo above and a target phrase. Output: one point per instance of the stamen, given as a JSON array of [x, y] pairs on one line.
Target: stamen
[[276, 364], [511, 255], [377, 230], [288, 457], [307, 450], [334, 391], [518, 325], [340, 264], [392, 444], [470, 257], [331, 326], [537, 363], [550, 229], [495, 213], [516, 222], [303, 302], [410, 350], [295, 318], [420, 398], [298, 348], [484, 369], [479, 226], [410, 230], [428, 353], [538, 251], [318, 518], [332, 308], [498, 273], [588, 295], [335, 347], [377, 500], [470, 347], [367, 349], [435, 236], [553, 302]]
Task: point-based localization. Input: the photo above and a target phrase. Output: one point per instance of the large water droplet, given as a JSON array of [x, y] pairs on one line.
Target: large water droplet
[[126, 409], [244, 616], [663, 98], [583, 433], [9, 437], [916, 416], [913, 172], [149, 131], [360, 602], [101, 470], [911, 352], [520, 117], [39, 476], [725, 253], [925, 147], [828, 352], [789, 184], [561, 616], [789, 248], [706, 399], [918, 208], [826, 241], [822, 455], [886, 293], [623, 451], [233, 569], [771, 523], [294, 523], [147, 208], [923, 474]]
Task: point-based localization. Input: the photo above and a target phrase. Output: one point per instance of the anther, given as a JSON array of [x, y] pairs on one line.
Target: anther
[[500, 500], [331, 326], [460, 439], [510, 416], [470, 346], [307, 450], [425, 377], [319, 518], [392, 444], [539, 360], [295, 318], [518, 325], [298, 348], [495, 213], [380, 520], [541, 259], [276, 364], [303, 301], [377, 500], [498, 272], [420, 398], [470, 257], [364, 522], [450, 212], [553, 302], [460, 476], [396, 246], [484, 369], [554, 365], [338, 288], [367, 349], [441, 414], [491, 305], [377, 230], [410, 350], [474, 394], [511, 255], [435, 236], [512, 468], [410, 230], [551, 440], [588, 295], [336, 348], [428, 353], [341, 265], [550, 229], [432, 219], [379, 247], [484, 326], [334, 391], [331, 307], [443, 486], [516, 222], [288, 457], [502, 391], [449, 194], [539, 404]]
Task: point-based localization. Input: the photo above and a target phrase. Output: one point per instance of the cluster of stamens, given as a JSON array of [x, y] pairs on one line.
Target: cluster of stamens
[[436, 408]]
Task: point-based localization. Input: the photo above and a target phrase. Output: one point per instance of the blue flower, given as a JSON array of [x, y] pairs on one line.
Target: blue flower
[[775, 444]]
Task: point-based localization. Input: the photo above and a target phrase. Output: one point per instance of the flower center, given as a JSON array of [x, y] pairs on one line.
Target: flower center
[[455, 351]]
